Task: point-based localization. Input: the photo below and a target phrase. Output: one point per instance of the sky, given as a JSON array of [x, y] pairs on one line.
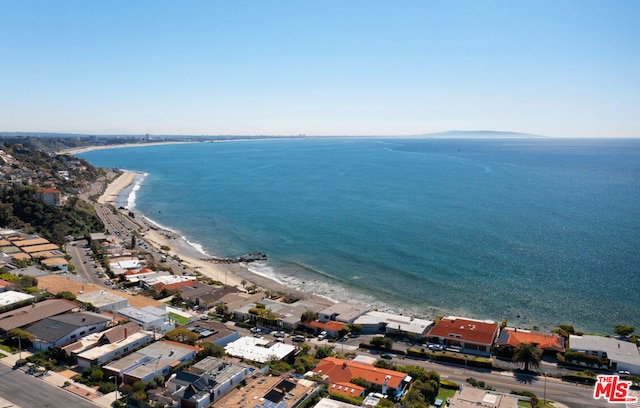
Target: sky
[[335, 67]]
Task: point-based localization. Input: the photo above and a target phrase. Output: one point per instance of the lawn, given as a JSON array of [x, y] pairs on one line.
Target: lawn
[[445, 393], [179, 319]]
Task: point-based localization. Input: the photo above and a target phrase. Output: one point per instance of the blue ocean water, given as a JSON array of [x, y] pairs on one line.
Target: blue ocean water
[[538, 231]]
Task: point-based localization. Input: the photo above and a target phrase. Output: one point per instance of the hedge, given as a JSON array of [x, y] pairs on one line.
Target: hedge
[[449, 385], [390, 351], [479, 362], [583, 379]]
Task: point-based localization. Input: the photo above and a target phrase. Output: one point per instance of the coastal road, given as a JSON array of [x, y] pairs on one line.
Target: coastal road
[[27, 391], [569, 394]]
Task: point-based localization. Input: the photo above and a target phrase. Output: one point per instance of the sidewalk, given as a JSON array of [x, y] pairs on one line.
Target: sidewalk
[[58, 380]]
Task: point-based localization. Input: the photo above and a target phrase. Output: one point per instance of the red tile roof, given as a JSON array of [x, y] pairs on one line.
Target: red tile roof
[[342, 371], [348, 389], [172, 286], [473, 331], [330, 325], [543, 340]]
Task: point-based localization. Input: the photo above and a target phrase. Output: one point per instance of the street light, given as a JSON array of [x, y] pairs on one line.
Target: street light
[[544, 399], [19, 346], [115, 380]]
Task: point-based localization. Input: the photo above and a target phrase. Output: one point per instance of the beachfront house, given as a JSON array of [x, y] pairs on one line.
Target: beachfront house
[[374, 322], [464, 335], [341, 312], [603, 353], [511, 338]]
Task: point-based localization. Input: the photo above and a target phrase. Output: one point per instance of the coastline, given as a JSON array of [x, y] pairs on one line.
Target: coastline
[[117, 146], [229, 274]]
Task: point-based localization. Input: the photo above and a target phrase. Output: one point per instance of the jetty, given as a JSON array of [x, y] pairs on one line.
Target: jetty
[[246, 258]]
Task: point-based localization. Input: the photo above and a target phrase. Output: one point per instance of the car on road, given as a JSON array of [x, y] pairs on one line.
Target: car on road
[[386, 356], [279, 334], [298, 338]]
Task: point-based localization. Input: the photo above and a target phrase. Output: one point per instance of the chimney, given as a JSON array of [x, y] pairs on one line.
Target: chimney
[[126, 333], [344, 365]]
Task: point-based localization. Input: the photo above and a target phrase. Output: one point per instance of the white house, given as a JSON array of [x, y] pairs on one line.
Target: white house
[[622, 355]]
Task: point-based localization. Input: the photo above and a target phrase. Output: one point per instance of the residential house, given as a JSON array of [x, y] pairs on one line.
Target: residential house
[[284, 315], [511, 338], [339, 373], [156, 359], [341, 312], [464, 335], [4, 286], [619, 355], [24, 316], [11, 298], [56, 265], [202, 296], [104, 300], [212, 332], [470, 397], [56, 331], [113, 343], [272, 392], [374, 322], [49, 196], [260, 350], [149, 317], [209, 380]]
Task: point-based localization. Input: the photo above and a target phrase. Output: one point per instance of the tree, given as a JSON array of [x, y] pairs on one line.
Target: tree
[[322, 352], [623, 330], [379, 341], [528, 354], [182, 335], [65, 294], [209, 350], [22, 334], [308, 316]]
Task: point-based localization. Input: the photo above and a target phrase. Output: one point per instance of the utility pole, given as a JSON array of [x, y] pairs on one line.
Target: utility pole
[[115, 380], [19, 346]]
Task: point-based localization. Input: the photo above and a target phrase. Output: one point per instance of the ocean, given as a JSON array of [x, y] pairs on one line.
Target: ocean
[[538, 231]]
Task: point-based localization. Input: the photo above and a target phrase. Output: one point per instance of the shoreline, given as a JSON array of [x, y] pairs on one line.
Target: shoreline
[[229, 274]]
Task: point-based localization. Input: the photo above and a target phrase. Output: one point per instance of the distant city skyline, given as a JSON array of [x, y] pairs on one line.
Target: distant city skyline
[[334, 68]]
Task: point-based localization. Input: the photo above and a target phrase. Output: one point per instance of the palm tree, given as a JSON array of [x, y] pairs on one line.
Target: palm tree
[[528, 354]]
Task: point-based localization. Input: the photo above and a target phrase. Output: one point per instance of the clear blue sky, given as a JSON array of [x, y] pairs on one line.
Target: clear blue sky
[[555, 68]]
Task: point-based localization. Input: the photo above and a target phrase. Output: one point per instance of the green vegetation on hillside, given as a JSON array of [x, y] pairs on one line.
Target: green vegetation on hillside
[[20, 209]]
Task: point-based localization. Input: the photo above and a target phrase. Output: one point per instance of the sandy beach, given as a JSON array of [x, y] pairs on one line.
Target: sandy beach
[[116, 146], [230, 274], [115, 187]]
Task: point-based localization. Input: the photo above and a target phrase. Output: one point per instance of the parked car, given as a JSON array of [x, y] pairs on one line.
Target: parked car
[[386, 356], [298, 338]]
